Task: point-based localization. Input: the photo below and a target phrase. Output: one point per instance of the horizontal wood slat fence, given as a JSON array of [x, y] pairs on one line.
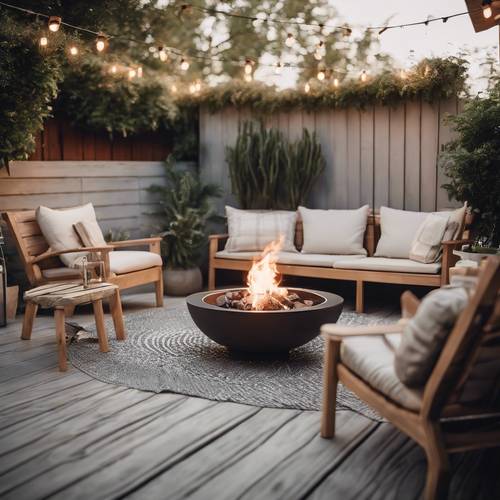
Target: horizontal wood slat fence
[[61, 141], [378, 156]]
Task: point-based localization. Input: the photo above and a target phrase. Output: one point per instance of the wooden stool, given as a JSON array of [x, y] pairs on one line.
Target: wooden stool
[[59, 296]]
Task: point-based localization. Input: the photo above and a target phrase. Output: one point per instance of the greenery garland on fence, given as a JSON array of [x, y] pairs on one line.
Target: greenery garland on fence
[[431, 80]]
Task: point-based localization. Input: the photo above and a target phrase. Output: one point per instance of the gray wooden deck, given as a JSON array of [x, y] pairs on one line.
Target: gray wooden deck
[[66, 435]]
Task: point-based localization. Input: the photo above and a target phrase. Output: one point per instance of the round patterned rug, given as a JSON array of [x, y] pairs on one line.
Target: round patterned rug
[[165, 351]]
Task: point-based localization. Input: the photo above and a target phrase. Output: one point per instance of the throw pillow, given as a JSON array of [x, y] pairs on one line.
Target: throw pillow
[[426, 333], [57, 228], [426, 246], [335, 232], [252, 230]]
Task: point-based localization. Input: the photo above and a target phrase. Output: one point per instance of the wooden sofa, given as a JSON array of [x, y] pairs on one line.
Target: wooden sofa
[[217, 260], [43, 265]]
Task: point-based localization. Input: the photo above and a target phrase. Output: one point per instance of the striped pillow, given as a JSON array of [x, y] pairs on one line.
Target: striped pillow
[[252, 230]]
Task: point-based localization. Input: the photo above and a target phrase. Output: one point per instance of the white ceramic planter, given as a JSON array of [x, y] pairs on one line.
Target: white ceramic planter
[[182, 281]]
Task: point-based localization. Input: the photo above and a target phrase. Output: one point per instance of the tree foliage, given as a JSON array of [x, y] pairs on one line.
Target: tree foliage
[[472, 162]]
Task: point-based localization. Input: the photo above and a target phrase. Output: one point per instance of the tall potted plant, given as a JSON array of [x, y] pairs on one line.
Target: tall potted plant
[[472, 163], [186, 205]]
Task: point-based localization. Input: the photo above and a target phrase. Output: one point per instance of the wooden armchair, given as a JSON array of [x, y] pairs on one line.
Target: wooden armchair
[[459, 407], [43, 266]]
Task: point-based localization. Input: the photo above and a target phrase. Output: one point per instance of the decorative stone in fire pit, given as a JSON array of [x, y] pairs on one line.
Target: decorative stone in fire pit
[[263, 318]]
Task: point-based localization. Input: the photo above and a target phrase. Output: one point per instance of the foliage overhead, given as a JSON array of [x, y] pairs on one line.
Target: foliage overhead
[[28, 84], [431, 79], [268, 172], [472, 162], [186, 206]]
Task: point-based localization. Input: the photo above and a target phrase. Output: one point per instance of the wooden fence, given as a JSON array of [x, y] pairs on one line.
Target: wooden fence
[[378, 156], [60, 141]]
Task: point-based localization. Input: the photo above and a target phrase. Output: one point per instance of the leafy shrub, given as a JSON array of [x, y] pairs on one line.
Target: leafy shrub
[[268, 172]]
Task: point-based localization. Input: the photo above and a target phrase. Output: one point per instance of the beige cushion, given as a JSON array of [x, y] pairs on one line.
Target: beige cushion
[[251, 230], [425, 334], [372, 359], [456, 222], [292, 258], [126, 261], [426, 245], [386, 264], [57, 228], [339, 232], [90, 234]]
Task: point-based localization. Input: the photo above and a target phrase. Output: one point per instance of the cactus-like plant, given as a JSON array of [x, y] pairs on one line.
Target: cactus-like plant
[[268, 172]]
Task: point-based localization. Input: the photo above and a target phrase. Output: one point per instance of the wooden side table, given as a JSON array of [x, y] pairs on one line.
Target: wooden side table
[[60, 295]]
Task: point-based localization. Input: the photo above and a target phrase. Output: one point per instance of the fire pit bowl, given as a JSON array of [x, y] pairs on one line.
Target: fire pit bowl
[[264, 332]]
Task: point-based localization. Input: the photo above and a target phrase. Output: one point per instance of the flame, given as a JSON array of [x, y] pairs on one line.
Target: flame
[[263, 278]]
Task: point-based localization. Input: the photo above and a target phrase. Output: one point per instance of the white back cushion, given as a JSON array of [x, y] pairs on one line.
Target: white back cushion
[[57, 228], [426, 333], [334, 231], [252, 230]]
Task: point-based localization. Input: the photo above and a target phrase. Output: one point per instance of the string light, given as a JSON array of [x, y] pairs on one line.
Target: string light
[[278, 68], [318, 53], [248, 68], [184, 64], [73, 50], [290, 40], [364, 76], [402, 74], [197, 86], [346, 30], [139, 72], [248, 78], [192, 88], [487, 12], [321, 75], [43, 41], [131, 73], [101, 42], [54, 23], [173, 88], [307, 88], [336, 82], [162, 54], [113, 69]]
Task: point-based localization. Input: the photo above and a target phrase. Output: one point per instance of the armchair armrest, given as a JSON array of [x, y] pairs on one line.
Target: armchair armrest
[[48, 254], [153, 243], [332, 331], [454, 243], [448, 259], [213, 243], [218, 236]]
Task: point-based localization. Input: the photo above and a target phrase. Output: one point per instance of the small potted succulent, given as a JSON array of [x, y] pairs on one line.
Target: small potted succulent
[[185, 202]]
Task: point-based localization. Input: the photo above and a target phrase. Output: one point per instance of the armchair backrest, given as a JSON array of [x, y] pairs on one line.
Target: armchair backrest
[[466, 378], [30, 243]]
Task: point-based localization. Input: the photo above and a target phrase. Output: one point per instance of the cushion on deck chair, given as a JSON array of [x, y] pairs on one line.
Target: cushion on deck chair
[[426, 333], [126, 261], [372, 359], [57, 228], [386, 264]]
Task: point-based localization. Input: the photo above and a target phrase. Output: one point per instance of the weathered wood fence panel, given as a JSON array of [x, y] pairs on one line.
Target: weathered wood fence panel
[[379, 155]]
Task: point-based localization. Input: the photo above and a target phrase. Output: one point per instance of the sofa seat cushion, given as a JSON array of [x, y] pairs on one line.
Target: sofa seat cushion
[[372, 359], [126, 261], [291, 258], [387, 264]]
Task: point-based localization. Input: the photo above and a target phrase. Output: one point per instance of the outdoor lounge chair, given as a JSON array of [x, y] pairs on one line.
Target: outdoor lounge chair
[[458, 408]]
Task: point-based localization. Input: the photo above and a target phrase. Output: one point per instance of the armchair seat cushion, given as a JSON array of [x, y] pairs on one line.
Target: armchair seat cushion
[[388, 264], [127, 261], [372, 359]]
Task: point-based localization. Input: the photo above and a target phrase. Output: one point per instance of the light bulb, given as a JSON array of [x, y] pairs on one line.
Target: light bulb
[[364, 76], [192, 88], [184, 64], [173, 88], [54, 23], [43, 41], [163, 55], [73, 50], [248, 78], [321, 75], [114, 69], [290, 40], [346, 31], [402, 74], [197, 86], [131, 73], [248, 67], [487, 12], [336, 82], [139, 72], [307, 88], [318, 55], [278, 68], [101, 43]]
